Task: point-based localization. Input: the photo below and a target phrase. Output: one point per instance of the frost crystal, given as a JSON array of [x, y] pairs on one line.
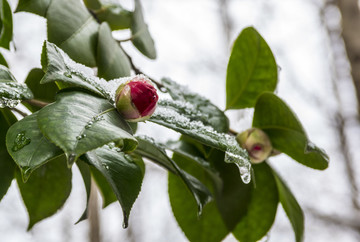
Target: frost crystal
[[166, 114]]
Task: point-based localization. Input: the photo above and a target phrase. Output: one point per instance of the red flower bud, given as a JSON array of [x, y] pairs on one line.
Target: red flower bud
[[257, 143], [136, 99]]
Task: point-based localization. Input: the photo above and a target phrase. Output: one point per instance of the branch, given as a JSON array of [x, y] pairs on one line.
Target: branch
[[36, 103], [138, 71], [341, 121], [350, 16], [19, 112], [350, 222], [132, 36]]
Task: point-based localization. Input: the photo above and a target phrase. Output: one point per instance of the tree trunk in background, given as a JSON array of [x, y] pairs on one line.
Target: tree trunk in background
[[94, 223], [351, 34]]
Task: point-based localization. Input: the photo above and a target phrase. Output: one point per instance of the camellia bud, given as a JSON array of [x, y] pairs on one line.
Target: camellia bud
[[257, 143], [136, 99]]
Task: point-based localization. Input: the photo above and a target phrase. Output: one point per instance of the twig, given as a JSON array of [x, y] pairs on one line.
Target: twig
[[36, 103], [138, 71], [341, 120], [233, 132], [132, 36], [19, 112], [351, 222], [93, 13]]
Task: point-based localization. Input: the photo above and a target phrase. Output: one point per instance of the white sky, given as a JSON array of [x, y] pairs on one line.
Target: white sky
[[192, 50]]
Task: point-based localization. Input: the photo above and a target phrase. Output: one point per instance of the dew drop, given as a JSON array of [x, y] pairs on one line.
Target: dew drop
[[126, 221], [105, 166], [79, 137], [89, 124], [310, 147], [71, 159], [20, 141], [67, 74], [244, 167]]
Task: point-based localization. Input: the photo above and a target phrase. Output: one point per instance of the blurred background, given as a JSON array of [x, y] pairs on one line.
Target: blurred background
[[316, 44]]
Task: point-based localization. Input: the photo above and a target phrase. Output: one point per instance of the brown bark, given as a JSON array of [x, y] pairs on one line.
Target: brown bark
[[94, 221], [350, 13]]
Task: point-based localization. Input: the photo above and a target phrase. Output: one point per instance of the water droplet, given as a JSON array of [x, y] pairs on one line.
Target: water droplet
[[67, 74], [240, 162], [71, 159], [310, 147], [79, 137], [163, 89], [126, 221], [20, 141], [89, 124], [111, 145], [105, 166]]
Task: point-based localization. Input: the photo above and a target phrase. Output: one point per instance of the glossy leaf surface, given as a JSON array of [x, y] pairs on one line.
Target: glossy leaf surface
[[209, 227], [7, 165], [291, 207], [86, 176], [141, 37], [199, 107], [94, 123], [111, 59], [123, 172], [6, 24], [286, 133], [262, 206], [156, 152], [46, 190], [11, 91], [251, 70], [73, 29], [27, 145], [43, 92], [39, 7]]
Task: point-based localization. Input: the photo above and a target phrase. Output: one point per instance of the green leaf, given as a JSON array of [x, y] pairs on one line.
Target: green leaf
[[43, 92], [92, 4], [204, 110], [291, 207], [107, 193], [157, 153], [3, 61], [233, 197], [94, 123], [115, 15], [286, 132], [190, 153], [123, 172], [86, 176], [60, 68], [205, 228], [111, 59], [73, 29], [262, 206], [173, 117], [28, 146], [39, 7], [251, 70], [141, 37], [6, 24], [11, 91], [47, 190], [7, 165]]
